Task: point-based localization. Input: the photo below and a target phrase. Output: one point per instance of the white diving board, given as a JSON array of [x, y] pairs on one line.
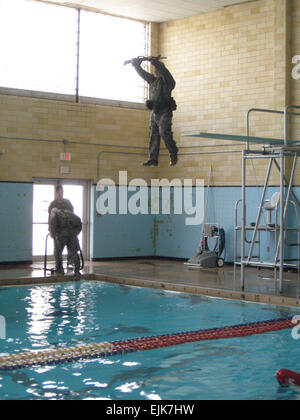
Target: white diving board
[[232, 137]]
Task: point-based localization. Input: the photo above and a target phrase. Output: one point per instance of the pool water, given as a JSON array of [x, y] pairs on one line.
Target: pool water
[[52, 316]]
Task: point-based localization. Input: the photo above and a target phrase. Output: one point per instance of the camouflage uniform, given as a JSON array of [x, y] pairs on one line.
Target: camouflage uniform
[[64, 227], [63, 204], [161, 114]]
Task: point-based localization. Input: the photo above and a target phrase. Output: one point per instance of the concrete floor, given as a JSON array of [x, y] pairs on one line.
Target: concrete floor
[[258, 282]]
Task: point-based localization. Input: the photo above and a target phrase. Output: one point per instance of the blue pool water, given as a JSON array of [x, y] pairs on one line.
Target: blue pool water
[[43, 317]]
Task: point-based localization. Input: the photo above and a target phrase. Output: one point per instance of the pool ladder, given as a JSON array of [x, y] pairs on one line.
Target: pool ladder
[[256, 240]]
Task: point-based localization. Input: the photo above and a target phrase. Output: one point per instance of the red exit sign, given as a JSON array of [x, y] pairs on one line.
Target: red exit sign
[[65, 156]]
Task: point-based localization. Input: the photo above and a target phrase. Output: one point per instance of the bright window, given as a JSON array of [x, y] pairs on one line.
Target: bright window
[[39, 51], [38, 46], [105, 43]]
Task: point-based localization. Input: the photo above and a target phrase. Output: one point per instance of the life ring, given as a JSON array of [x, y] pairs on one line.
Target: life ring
[[287, 377]]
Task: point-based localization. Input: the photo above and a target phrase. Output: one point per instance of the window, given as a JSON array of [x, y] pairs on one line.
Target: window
[[38, 46], [105, 43], [39, 51]]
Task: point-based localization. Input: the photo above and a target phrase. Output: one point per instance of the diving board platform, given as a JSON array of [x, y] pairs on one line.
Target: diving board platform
[[278, 150], [250, 139]]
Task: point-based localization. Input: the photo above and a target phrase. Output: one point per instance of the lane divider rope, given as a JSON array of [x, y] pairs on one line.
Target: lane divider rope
[[105, 349]]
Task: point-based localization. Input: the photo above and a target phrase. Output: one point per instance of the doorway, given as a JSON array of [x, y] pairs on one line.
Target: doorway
[[78, 192]]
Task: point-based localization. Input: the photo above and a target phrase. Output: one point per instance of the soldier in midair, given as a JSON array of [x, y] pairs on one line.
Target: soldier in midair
[[162, 106]]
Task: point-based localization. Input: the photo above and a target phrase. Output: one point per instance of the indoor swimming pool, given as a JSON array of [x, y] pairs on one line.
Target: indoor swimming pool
[[87, 312]]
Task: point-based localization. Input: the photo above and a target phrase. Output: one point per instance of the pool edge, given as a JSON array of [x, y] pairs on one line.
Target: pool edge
[[157, 284], [205, 291]]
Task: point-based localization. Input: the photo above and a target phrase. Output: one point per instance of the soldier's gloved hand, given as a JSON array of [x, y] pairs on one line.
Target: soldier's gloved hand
[[154, 61], [136, 61]]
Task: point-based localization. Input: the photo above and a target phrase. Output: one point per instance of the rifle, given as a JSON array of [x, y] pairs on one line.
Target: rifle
[[146, 58]]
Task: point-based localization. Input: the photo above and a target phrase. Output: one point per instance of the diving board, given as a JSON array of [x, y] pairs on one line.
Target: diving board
[[232, 137]]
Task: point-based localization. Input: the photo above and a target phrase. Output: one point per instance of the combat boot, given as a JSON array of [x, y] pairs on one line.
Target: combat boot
[[150, 162], [59, 271], [174, 160], [77, 275], [77, 268]]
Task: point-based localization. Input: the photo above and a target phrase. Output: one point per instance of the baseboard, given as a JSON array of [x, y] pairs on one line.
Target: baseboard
[[169, 258], [154, 257], [13, 263]]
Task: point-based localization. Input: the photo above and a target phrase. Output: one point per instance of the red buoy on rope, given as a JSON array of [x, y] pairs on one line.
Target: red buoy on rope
[[287, 377]]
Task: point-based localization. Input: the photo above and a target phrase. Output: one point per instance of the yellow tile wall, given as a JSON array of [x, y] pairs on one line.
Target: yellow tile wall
[[295, 84], [40, 119], [225, 63]]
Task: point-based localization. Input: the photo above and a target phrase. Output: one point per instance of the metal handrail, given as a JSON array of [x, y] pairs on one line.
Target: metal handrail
[[298, 221], [286, 113], [271, 111]]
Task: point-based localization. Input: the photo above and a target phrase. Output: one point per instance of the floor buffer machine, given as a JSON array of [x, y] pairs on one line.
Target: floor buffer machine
[[206, 257]]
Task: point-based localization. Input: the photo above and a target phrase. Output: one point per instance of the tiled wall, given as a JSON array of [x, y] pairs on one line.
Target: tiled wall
[[224, 63], [119, 236], [115, 236], [41, 119], [295, 84], [15, 222], [168, 235], [175, 239]]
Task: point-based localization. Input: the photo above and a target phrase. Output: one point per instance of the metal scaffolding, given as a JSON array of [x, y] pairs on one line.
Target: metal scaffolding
[[276, 155], [275, 150]]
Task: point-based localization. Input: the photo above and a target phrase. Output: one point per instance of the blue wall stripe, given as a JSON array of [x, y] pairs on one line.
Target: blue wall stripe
[[116, 236], [16, 222]]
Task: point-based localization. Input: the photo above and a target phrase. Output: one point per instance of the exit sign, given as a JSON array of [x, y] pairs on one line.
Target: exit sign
[[65, 156]]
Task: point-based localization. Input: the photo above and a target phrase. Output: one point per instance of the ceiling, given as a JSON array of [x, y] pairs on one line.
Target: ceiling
[[153, 10]]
